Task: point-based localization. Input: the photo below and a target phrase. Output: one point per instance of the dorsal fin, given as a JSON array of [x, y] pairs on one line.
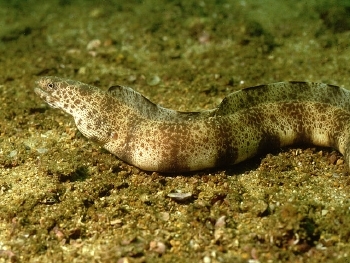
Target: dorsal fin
[[132, 98], [283, 91], [148, 109]]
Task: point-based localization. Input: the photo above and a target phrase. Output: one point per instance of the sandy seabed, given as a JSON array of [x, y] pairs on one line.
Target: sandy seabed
[[65, 199]]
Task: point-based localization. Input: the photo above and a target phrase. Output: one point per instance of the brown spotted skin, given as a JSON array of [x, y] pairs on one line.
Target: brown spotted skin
[[247, 122]]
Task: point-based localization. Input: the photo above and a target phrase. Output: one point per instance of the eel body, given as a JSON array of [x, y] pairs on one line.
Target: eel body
[[247, 122]]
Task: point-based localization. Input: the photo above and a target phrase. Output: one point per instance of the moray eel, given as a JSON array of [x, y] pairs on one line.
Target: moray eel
[[247, 122]]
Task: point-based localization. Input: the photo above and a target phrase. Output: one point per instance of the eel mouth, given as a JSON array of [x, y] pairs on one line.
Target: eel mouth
[[46, 96]]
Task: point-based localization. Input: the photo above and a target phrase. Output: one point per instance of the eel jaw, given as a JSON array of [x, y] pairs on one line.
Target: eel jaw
[[51, 100]]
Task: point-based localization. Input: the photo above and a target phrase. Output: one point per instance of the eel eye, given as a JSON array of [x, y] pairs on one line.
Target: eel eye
[[51, 85]]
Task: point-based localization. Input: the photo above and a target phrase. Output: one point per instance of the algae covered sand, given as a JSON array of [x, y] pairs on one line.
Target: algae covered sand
[[65, 199]]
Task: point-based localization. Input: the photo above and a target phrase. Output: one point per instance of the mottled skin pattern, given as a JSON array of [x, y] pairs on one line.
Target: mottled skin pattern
[[247, 122]]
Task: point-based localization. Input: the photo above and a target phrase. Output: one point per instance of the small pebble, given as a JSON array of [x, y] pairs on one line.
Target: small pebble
[[12, 154], [180, 196], [220, 222], [164, 216], [157, 246], [339, 162], [206, 259], [155, 80], [123, 260], [116, 222], [93, 44], [42, 150]]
